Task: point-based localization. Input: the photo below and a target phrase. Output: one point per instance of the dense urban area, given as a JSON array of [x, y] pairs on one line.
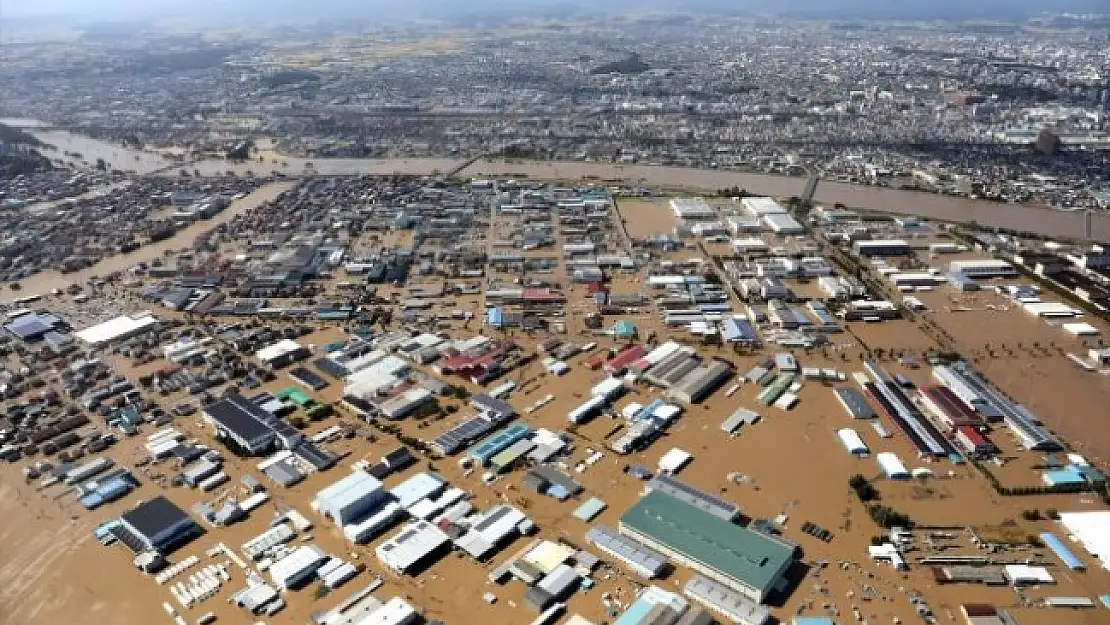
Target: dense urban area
[[650, 320]]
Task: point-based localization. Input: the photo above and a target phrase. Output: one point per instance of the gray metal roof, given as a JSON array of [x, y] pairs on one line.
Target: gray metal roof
[[855, 403], [694, 496], [628, 550]]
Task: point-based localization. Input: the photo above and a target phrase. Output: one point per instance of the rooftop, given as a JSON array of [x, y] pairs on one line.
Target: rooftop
[[740, 553]]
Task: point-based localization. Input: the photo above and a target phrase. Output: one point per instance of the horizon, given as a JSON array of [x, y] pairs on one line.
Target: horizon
[[254, 11]]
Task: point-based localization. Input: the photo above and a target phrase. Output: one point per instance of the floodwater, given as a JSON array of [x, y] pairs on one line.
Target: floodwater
[[1046, 221], [1050, 222], [46, 281]]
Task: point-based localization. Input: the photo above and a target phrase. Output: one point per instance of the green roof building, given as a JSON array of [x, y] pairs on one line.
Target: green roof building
[[624, 330], [749, 562]]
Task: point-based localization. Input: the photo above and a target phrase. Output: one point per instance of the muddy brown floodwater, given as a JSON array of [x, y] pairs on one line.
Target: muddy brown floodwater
[[1046, 221], [46, 281]]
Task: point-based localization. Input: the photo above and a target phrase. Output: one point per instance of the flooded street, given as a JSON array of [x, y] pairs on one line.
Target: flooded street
[[49, 280], [1054, 223]]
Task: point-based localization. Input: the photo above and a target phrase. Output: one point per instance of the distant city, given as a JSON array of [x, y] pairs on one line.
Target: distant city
[[1010, 112]]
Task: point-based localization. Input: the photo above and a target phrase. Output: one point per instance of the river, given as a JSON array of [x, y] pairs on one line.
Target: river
[[1046, 221]]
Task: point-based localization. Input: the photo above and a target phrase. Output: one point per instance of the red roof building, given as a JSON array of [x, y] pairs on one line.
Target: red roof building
[[943, 403], [626, 357], [974, 442]]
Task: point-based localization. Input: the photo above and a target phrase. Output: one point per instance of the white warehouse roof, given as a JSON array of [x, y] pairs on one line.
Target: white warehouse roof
[[120, 327], [1092, 530], [412, 544], [760, 206], [852, 441], [293, 566], [277, 350], [892, 466]]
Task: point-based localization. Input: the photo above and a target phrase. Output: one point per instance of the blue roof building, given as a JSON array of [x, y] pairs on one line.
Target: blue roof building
[[32, 326], [495, 318], [1066, 556]]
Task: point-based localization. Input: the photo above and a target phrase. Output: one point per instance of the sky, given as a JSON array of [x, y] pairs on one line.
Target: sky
[[244, 10]]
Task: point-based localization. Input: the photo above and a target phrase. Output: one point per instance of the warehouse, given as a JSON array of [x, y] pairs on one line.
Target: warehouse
[[296, 569], [156, 525], [419, 486], [905, 414], [975, 443], [696, 497], [749, 245], [762, 206], [405, 403], [882, 248], [1066, 556], [738, 418], [351, 498], [639, 558], [854, 403], [693, 209], [749, 562], [412, 547], [910, 280], [555, 586], [701, 382], [492, 529], [782, 224], [985, 268], [31, 326], [484, 451], [254, 430], [725, 601], [282, 353], [122, 327], [942, 403], [892, 467], [1092, 530], [1024, 424], [852, 442], [735, 330]]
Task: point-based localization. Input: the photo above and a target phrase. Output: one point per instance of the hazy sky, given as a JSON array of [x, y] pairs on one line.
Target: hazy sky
[[244, 9]]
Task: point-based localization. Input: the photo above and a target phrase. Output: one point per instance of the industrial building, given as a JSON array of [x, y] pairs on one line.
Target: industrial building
[[905, 414], [245, 423], [639, 558], [296, 569], [942, 403], [749, 562], [854, 403], [412, 547], [156, 525], [852, 442], [761, 206], [782, 224], [882, 248], [892, 467], [1092, 530], [351, 498], [700, 382], [696, 497], [725, 601], [984, 268], [969, 386], [119, 328], [693, 209], [31, 326]]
